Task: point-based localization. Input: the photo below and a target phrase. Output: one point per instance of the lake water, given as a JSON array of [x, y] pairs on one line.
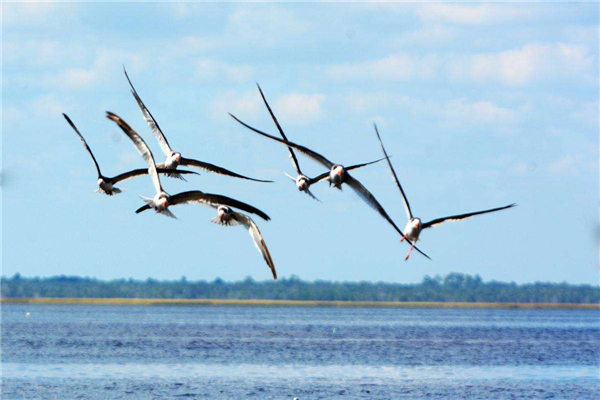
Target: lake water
[[100, 352]]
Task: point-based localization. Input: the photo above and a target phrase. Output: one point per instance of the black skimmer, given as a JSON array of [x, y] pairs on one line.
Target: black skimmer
[[175, 159], [226, 216], [302, 181], [106, 184], [415, 226], [337, 175], [160, 202]]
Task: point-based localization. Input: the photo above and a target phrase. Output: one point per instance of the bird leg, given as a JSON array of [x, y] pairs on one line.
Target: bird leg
[[410, 251]]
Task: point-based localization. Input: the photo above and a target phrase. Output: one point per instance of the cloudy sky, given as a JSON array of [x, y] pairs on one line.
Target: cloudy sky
[[479, 105]]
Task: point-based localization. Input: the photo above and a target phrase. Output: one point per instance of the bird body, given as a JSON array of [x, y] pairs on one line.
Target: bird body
[[415, 226], [106, 184], [173, 158], [337, 175]]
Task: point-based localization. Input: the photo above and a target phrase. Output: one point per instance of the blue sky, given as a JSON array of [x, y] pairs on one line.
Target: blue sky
[[480, 105]]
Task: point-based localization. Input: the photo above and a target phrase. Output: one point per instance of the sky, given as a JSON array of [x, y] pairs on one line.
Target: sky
[[479, 105]]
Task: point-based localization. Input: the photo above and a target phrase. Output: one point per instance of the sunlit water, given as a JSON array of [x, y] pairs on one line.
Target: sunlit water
[[99, 352]]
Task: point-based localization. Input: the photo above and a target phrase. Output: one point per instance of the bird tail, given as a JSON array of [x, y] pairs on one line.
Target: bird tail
[[219, 221], [148, 201], [312, 195], [112, 192], [176, 175], [289, 176], [167, 213]]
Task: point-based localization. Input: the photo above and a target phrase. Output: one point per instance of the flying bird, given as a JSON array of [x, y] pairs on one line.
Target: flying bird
[[226, 216], [174, 158], [337, 175], [415, 226], [106, 184], [302, 181], [161, 200]]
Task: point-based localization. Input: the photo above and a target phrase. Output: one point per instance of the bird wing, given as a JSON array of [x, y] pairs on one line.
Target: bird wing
[[350, 168], [319, 178], [306, 151], [406, 205], [141, 146], [258, 239], [312, 195], [144, 171], [84, 143], [160, 136], [372, 201], [292, 154], [214, 200], [440, 221], [142, 208], [215, 169]]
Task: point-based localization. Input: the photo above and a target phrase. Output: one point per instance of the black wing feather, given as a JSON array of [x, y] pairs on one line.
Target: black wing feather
[[144, 171], [372, 201], [440, 221], [305, 150], [406, 204], [216, 169], [292, 154], [158, 133], [214, 200], [350, 168], [84, 143]]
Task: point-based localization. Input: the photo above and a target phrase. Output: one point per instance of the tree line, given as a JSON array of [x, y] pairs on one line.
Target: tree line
[[452, 287]]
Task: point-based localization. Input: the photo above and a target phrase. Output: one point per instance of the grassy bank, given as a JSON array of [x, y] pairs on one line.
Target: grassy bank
[[255, 302]]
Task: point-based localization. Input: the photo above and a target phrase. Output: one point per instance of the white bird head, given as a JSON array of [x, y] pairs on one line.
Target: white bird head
[[302, 182]]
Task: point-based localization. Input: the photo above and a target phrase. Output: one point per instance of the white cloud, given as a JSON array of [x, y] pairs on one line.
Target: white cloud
[[528, 64], [193, 44], [239, 104], [582, 34], [480, 112], [365, 102], [473, 14], [209, 70], [399, 67], [49, 105], [40, 52], [264, 25], [429, 35], [37, 14], [291, 109], [589, 114], [572, 164], [107, 64], [299, 109]]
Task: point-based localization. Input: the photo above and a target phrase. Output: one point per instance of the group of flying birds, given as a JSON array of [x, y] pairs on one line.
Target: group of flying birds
[[336, 174]]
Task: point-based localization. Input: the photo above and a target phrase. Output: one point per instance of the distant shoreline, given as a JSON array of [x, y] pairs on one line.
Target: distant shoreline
[[292, 303]]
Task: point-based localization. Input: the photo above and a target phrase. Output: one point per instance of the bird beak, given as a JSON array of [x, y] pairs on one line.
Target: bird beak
[[339, 173]]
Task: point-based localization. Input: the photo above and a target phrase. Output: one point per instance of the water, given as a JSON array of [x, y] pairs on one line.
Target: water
[[99, 352]]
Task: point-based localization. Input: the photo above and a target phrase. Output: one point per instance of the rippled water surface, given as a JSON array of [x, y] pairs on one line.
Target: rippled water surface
[[100, 352]]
